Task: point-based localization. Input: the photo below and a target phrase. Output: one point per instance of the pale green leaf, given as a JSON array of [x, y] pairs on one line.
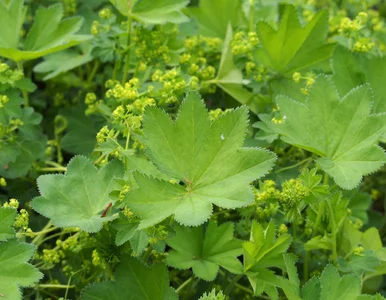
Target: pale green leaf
[[205, 253], [78, 198], [133, 281], [293, 47], [15, 271], [207, 157], [7, 217], [230, 78], [343, 131]]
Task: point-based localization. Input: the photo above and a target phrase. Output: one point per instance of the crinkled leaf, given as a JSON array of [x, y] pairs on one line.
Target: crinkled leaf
[[78, 198], [133, 281], [230, 78], [205, 253], [7, 217], [340, 130], [207, 157], [48, 33], [15, 271], [213, 16], [293, 47]]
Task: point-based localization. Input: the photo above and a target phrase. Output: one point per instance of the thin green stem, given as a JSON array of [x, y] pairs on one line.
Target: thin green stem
[[55, 286], [333, 231], [25, 94], [42, 234], [232, 283], [93, 72], [127, 62], [54, 164], [58, 169], [251, 15], [184, 284], [295, 165]]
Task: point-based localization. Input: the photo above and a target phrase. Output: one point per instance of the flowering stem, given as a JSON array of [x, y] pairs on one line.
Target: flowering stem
[[127, 62], [42, 233], [251, 15], [55, 286]]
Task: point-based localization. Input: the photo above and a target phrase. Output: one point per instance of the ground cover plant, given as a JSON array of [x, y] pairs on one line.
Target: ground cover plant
[[176, 149]]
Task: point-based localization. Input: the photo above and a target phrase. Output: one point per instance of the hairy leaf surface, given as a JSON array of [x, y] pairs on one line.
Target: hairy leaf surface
[[78, 198], [208, 158], [15, 271], [343, 131]]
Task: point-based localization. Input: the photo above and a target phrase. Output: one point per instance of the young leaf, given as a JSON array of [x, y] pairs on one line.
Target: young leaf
[[7, 217], [153, 12], [263, 251], [204, 253], [213, 16], [207, 157], [15, 272], [229, 77], [293, 47], [78, 198], [41, 39], [340, 130], [133, 281]]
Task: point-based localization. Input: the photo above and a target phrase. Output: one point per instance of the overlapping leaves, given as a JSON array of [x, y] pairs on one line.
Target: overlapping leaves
[[205, 253], [208, 158]]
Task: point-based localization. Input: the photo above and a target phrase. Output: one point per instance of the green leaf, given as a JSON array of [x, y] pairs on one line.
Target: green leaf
[[78, 198], [153, 12], [290, 286], [213, 16], [293, 47], [12, 15], [64, 61], [15, 271], [126, 229], [41, 39], [374, 70], [205, 253], [230, 78], [340, 130], [7, 217], [133, 281], [265, 250], [207, 157], [338, 288]]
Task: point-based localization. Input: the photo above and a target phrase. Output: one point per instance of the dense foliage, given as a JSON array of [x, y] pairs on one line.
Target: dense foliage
[[176, 149]]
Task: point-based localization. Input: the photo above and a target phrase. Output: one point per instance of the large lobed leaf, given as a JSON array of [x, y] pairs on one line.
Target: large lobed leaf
[[15, 271], [343, 131], [208, 158], [48, 33], [205, 253], [78, 198], [293, 47]]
